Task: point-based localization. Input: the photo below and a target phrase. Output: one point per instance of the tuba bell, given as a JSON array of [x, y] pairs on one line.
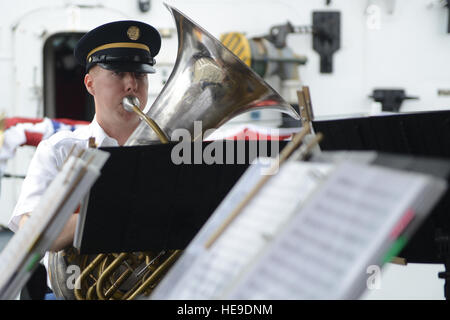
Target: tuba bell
[[208, 84]]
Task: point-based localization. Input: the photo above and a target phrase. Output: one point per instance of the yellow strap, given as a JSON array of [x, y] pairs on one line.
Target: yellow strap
[[119, 45]]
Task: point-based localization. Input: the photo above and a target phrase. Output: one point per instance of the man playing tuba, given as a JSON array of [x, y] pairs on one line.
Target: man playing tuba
[[117, 57]]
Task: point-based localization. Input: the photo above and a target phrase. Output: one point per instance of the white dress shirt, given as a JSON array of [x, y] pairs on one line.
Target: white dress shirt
[[46, 163], [48, 160]]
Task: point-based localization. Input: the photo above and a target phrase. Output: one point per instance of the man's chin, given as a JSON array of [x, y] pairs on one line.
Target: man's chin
[[128, 118]]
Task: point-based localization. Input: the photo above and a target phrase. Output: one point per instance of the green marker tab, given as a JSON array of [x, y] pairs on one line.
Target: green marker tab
[[396, 247], [33, 260]]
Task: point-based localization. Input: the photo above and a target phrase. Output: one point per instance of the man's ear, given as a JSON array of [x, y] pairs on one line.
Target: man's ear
[[89, 83]]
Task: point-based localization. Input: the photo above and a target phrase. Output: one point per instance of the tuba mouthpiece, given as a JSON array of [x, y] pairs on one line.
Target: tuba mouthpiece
[[129, 102]]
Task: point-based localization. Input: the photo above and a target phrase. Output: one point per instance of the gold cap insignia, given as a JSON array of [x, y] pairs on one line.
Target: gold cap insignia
[[133, 33]]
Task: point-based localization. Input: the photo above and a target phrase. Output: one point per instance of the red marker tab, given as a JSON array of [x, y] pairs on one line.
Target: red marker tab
[[401, 225], [33, 138]]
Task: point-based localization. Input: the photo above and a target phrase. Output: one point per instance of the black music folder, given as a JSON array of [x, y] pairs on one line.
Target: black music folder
[[424, 137], [143, 201], [420, 133]]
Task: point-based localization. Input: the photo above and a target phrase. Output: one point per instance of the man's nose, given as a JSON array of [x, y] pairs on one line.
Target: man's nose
[[131, 83]]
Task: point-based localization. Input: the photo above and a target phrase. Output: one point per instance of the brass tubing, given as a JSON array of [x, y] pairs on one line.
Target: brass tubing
[[84, 274], [147, 270], [115, 264], [132, 290], [152, 124], [90, 295], [163, 267], [116, 285]]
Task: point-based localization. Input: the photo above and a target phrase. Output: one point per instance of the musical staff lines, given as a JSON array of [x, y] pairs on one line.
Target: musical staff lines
[[333, 236], [249, 233], [310, 232]]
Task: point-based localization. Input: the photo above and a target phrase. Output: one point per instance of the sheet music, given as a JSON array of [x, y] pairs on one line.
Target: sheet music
[[60, 200], [326, 248], [206, 274], [310, 233]]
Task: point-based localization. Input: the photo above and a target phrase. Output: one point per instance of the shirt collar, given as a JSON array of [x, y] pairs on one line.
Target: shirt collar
[[101, 137]]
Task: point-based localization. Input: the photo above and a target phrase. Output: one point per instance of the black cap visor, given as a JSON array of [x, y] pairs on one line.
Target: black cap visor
[[127, 67]]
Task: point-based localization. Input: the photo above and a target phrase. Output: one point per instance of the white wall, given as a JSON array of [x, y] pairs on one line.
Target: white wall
[[384, 43]]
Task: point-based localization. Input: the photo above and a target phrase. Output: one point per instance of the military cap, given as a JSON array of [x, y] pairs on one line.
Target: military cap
[[128, 46]]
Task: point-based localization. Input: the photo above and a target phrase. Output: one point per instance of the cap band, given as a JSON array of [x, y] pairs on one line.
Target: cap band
[[118, 45]]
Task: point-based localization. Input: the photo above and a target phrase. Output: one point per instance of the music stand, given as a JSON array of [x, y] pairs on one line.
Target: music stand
[[421, 134], [144, 201]]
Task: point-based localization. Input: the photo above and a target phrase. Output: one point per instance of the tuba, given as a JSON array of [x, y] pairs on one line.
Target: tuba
[[208, 84]]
